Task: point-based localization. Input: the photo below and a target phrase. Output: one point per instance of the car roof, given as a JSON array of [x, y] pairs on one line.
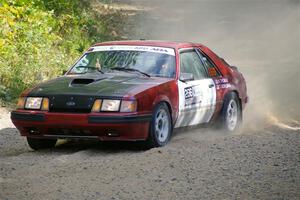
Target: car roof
[[159, 43]]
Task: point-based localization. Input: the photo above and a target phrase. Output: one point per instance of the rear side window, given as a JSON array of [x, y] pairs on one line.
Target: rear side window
[[190, 63], [211, 68]]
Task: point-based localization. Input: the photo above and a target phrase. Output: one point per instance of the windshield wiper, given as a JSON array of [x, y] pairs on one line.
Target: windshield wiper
[[89, 67], [129, 69]]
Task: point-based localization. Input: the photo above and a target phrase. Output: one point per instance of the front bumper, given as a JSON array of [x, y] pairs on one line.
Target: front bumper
[[101, 126]]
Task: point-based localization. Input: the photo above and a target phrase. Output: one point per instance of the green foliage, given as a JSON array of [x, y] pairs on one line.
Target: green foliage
[[41, 38]]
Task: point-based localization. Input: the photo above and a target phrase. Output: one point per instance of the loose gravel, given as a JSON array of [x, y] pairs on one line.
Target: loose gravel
[[196, 164]]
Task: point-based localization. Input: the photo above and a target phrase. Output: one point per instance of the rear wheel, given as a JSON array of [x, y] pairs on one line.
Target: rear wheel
[[36, 143], [231, 114], [161, 126]]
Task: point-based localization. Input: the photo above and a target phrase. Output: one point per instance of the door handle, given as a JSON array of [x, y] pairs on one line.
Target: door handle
[[211, 85]]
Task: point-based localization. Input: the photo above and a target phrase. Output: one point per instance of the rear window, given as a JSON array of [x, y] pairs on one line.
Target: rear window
[[210, 66]]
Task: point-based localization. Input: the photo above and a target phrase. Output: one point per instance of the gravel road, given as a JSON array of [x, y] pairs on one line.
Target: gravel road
[[197, 164]]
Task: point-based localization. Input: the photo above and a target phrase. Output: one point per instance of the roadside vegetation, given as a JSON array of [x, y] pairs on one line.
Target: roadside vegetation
[[41, 38]]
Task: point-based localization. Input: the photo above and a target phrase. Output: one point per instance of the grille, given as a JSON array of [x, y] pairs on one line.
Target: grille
[[71, 104]]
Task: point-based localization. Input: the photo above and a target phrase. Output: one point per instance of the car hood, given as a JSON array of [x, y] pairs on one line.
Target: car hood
[[96, 85]]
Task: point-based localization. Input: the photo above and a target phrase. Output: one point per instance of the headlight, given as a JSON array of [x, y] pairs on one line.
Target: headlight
[[110, 105], [33, 103], [128, 106], [114, 105]]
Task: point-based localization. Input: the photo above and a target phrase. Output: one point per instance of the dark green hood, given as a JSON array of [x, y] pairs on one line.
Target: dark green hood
[[94, 85]]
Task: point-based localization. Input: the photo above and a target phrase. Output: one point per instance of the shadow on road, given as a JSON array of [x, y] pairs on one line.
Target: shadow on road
[[12, 144], [112, 147]]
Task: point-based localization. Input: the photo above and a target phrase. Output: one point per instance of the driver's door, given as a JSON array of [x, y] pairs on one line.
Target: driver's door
[[197, 97]]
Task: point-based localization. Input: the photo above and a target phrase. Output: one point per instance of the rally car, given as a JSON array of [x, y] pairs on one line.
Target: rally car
[[133, 91]]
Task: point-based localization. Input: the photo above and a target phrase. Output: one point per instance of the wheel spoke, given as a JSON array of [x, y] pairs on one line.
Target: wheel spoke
[[232, 115], [161, 125]]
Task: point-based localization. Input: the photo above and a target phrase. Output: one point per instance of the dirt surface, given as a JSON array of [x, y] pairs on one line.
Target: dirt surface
[[196, 164]]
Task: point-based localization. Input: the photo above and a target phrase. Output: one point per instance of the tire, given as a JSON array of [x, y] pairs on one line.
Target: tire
[[231, 113], [37, 144], [160, 127]]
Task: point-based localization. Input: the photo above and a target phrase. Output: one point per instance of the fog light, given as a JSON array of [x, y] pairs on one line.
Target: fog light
[[21, 103], [97, 105], [112, 133], [45, 104], [33, 131]]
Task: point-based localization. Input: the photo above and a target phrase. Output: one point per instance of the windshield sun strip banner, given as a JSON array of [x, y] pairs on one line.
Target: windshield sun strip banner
[[154, 49]]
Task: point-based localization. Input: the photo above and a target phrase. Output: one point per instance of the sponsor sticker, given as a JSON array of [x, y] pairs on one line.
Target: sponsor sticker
[[223, 86], [222, 83], [222, 80], [154, 49], [212, 72]]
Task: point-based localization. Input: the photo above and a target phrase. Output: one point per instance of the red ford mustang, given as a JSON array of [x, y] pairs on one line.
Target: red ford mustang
[[132, 91]]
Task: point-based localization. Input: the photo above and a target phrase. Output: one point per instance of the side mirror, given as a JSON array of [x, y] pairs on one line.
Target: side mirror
[[234, 67], [184, 77]]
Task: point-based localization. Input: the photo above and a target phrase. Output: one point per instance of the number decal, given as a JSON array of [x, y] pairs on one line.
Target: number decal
[[188, 92], [192, 95]]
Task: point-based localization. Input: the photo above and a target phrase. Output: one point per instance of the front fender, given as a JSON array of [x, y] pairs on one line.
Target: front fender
[[167, 92]]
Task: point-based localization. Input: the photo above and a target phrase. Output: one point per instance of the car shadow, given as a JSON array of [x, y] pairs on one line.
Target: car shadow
[[12, 144], [99, 146]]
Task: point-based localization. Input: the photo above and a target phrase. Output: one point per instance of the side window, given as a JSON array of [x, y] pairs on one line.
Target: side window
[[211, 68], [191, 63]]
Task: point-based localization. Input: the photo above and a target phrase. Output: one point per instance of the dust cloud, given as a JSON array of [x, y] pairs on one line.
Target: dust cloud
[[261, 38]]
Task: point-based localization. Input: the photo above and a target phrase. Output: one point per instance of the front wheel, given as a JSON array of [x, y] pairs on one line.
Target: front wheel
[[161, 126], [37, 144], [231, 114]]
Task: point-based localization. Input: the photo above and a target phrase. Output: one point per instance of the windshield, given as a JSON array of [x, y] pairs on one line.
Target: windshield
[[153, 61]]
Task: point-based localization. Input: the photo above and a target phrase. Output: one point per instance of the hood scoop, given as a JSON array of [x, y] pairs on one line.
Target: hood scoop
[[82, 81]]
